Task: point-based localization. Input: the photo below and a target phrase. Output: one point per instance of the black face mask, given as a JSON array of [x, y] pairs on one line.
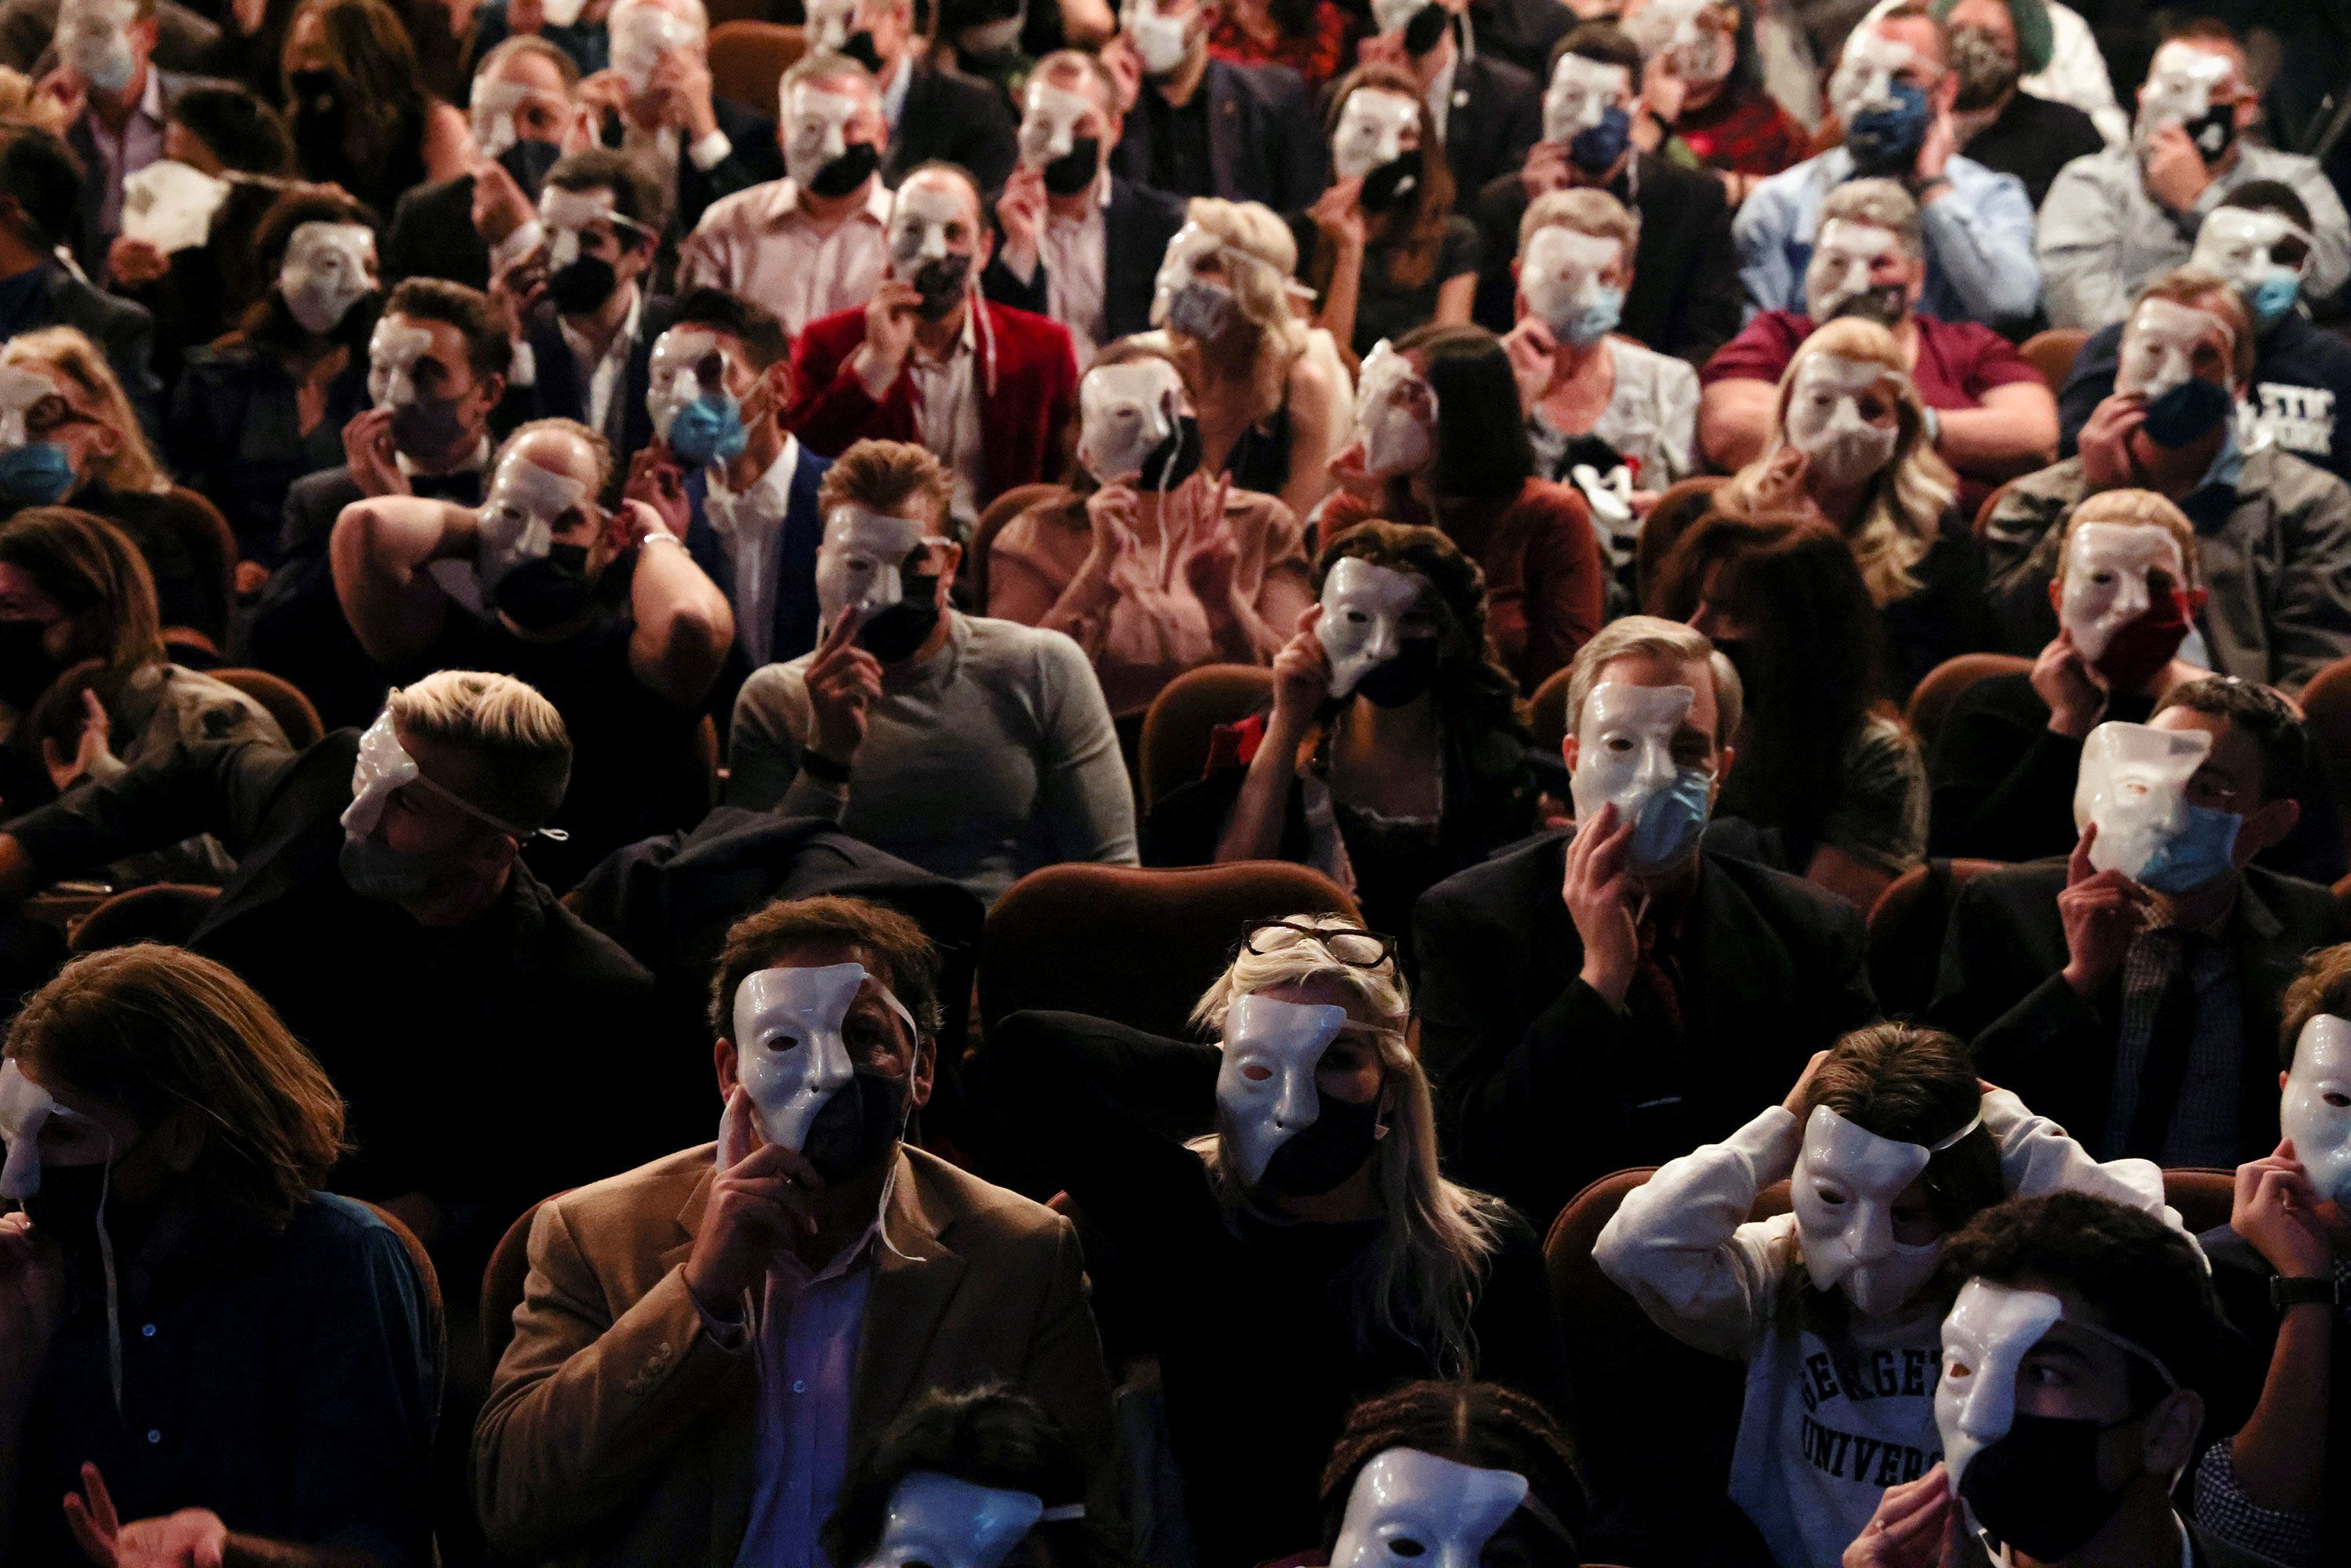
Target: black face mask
[[859, 46], [1426, 26], [529, 163], [2187, 413], [1392, 182], [892, 632], [316, 96], [1403, 679], [1882, 303], [855, 1127], [1325, 1152], [940, 281], [2037, 1488], [582, 284], [541, 594], [846, 173], [66, 1207], [26, 669], [1075, 170], [1172, 461], [2214, 133]]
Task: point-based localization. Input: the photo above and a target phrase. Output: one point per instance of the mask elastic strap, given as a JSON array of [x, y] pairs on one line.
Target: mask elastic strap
[[1973, 1122], [113, 1290], [1062, 1514], [520, 835]]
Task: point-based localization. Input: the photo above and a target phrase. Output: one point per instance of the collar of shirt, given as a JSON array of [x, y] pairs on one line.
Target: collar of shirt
[[475, 463], [622, 340], [893, 97], [765, 501], [2209, 504], [785, 209], [847, 1260], [966, 341], [1055, 222]]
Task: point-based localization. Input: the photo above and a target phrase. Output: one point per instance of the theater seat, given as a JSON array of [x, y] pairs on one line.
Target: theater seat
[[165, 912], [2326, 709], [1132, 944], [284, 699], [1988, 506], [2053, 353], [2202, 1194], [748, 59], [503, 1281], [1932, 702], [997, 513], [1177, 726], [1547, 712], [1905, 932]]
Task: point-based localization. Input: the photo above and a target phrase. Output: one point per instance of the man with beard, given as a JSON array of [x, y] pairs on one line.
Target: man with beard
[[1998, 124]]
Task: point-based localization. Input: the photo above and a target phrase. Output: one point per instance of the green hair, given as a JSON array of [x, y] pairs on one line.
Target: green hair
[[2036, 40]]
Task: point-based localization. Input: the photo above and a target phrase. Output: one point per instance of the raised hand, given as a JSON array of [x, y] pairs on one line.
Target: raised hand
[[844, 682], [1598, 893], [2101, 911]]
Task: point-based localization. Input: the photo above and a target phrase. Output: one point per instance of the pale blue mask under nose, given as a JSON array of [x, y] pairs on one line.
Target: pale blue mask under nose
[[1669, 821], [2201, 851]]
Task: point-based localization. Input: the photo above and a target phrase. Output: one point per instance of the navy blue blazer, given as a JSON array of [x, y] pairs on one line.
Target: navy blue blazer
[[560, 392], [1135, 231]]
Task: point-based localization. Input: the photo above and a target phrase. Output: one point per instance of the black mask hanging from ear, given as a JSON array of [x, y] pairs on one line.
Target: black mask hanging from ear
[[1392, 182], [1174, 460]]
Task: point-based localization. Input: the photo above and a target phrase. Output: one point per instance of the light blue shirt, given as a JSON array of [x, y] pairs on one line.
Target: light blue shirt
[[810, 1332], [1980, 261]]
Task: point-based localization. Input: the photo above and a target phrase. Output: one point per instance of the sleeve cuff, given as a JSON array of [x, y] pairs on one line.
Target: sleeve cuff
[[710, 152], [522, 371]]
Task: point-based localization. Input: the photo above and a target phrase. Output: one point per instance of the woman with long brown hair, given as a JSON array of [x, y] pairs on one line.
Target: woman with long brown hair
[[360, 111]]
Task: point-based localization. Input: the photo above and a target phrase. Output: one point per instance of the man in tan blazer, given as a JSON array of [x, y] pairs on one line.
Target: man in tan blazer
[[706, 1344]]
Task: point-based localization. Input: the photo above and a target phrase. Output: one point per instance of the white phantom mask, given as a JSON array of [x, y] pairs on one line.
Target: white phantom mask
[[1843, 255], [938, 1521], [329, 268], [919, 221], [1125, 413], [1049, 123], [384, 766], [1990, 1329], [20, 390], [1845, 1182], [1824, 420], [2316, 1112], [829, 23], [1559, 273], [568, 215], [517, 520], [1865, 77], [1390, 15], [816, 128], [171, 206], [1675, 33], [1624, 748], [642, 35], [24, 1107], [1580, 93], [2106, 579], [1413, 1510], [1372, 128], [1364, 608], [1265, 1088], [393, 353], [2244, 247], [494, 107], [1160, 40], [2159, 350], [788, 1050], [685, 364], [2181, 83], [858, 565], [2134, 786], [1396, 437]]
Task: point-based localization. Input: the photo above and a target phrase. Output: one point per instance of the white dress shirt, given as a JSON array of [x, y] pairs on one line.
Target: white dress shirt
[[1075, 252], [747, 525], [946, 412], [606, 374]]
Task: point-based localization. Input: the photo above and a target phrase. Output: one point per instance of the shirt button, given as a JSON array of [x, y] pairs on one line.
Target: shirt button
[[147, 1331], [153, 1436], [799, 1385]]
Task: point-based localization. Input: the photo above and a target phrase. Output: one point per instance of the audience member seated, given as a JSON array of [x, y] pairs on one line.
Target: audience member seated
[[2078, 1318], [1484, 110], [2299, 396], [935, 115], [1994, 119], [270, 402], [815, 240], [362, 116], [602, 611], [1309, 1243], [2131, 991], [929, 359], [2117, 221], [1612, 996], [522, 116], [1382, 248], [584, 41], [1439, 440], [207, 1359], [72, 587], [40, 201], [2275, 531], [1273, 411], [1702, 85], [2278, 1268], [1848, 443], [1892, 89], [1993, 415], [117, 101], [984, 1475], [655, 103], [1205, 127], [807, 1252], [1082, 244], [1153, 566], [383, 911], [1393, 755], [2127, 586], [1890, 1143], [79, 442], [976, 749], [1682, 294], [1313, 40], [1827, 775]]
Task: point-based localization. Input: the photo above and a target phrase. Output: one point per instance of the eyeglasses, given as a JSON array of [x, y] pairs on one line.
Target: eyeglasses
[[51, 413], [1349, 944]]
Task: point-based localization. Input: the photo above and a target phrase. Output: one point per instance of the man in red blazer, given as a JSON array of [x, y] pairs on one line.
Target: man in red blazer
[[991, 391]]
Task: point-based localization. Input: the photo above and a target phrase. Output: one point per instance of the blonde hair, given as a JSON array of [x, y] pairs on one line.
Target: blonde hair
[[131, 466], [884, 475], [518, 735], [1260, 291], [1905, 499], [1586, 213], [2134, 508], [1631, 636], [1440, 1236]]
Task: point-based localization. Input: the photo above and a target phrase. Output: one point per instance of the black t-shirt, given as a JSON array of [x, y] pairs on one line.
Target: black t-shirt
[[1179, 143], [2033, 138]]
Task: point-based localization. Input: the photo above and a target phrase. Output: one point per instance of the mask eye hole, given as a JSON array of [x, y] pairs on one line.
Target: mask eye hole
[[2337, 1098], [1957, 1372], [1833, 1197], [1621, 744], [1257, 1072], [783, 1042]]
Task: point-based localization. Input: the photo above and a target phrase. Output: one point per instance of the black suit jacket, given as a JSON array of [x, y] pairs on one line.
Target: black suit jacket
[[752, 159], [2002, 987], [432, 236], [559, 392], [123, 332], [1521, 31], [1496, 115], [955, 119], [1552, 1087], [1136, 228], [1685, 300], [1265, 142]]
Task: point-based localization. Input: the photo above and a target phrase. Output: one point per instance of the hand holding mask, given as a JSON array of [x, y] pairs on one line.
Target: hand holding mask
[[806, 1090], [2134, 786], [1624, 758], [1369, 145], [1277, 1128]]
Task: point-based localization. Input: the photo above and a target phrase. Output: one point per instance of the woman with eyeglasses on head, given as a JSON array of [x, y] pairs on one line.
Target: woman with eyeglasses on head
[[1306, 1252]]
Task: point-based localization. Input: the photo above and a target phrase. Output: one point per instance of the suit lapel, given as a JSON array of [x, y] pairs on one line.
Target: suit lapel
[[915, 1276]]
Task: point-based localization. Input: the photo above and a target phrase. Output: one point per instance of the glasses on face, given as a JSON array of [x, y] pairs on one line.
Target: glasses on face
[[53, 413], [1351, 945]]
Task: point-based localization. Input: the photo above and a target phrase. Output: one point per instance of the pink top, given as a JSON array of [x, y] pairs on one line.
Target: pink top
[[759, 244]]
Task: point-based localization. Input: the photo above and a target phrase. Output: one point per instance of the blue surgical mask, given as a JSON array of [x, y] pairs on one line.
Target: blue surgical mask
[[1887, 141], [1597, 318], [1596, 148], [37, 474], [708, 430], [1670, 821], [2272, 298], [2201, 852]]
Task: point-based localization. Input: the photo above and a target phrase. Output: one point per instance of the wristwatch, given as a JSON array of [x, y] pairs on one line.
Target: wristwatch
[[2301, 1290]]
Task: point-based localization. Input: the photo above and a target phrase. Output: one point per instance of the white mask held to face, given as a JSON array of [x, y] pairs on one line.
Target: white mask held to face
[[675, 374], [859, 565], [2134, 786], [790, 1054], [1624, 758], [171, 206], [1986, 1338], [1824, 420], [940, 1521], [393, 352], [93, 38], [1843, 255], [1865, 75], [1845, 1182], [2181, 82], [2106, 579], [1265, 1088], [1363, 608], [1676, 34], [2158, 346], [1561, 276], [1049, 122], [2266, 254], [568, 214], [1580, 93], [816, 129], [2317, 1110], [1396, 414], [518, 518], [24, 1108], [329, 268], [640, 35], [492, 114], [1413, 1510], [1372, 128], [1126, 413], [829, 23]]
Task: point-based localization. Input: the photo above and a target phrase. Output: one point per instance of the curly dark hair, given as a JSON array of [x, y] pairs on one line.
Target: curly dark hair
[[1479, 1424], [1471, 689]]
